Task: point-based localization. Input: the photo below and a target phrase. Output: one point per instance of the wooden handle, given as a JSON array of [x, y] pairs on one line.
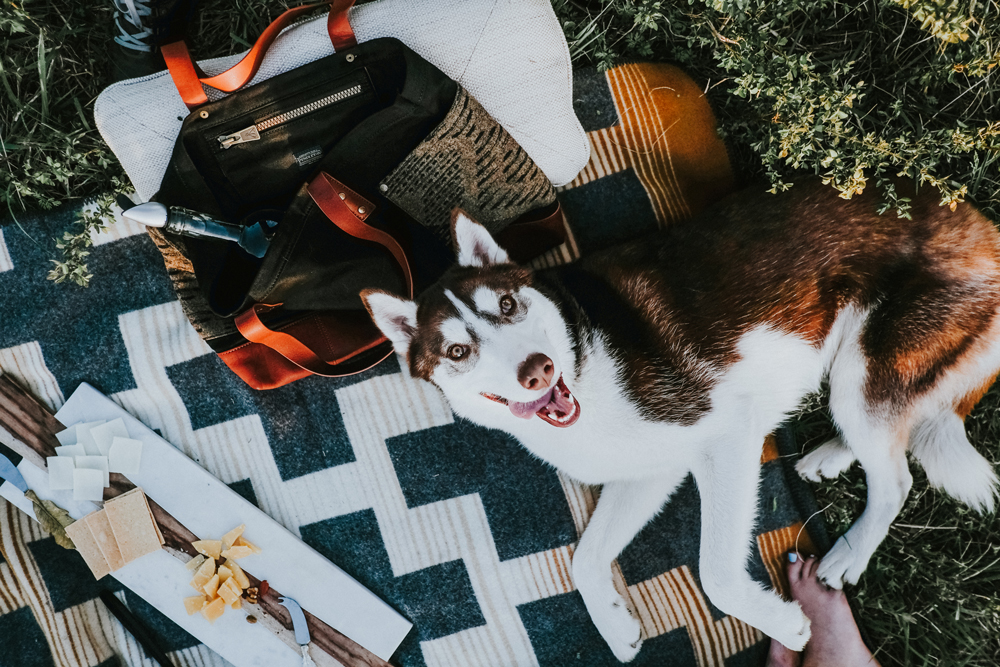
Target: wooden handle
[[28, 428]]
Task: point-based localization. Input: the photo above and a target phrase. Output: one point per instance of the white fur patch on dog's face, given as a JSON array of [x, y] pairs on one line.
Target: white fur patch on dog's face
[[497, 343]]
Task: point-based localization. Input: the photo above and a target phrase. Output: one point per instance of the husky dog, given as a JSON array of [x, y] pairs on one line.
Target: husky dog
[[679, 352]]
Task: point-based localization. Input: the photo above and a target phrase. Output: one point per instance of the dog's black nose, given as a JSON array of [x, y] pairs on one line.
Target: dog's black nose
[[536, 372]]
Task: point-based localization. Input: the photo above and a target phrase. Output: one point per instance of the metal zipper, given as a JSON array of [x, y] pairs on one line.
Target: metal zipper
[[252, 133]]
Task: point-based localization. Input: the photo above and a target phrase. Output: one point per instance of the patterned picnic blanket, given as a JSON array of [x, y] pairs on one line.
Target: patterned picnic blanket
[[455, 526]]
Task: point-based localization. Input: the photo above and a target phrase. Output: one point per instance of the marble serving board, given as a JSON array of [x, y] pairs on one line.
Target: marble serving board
[[209, 508]]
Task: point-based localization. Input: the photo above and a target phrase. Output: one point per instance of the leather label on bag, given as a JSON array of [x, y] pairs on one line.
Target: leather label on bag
[[308, 157]]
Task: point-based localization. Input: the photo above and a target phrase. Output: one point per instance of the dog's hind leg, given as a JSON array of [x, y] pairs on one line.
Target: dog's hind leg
[[622, 510], [952, 464], [728, 476]]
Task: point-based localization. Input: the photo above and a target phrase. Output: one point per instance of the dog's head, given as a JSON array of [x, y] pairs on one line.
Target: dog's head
[[497, 347]]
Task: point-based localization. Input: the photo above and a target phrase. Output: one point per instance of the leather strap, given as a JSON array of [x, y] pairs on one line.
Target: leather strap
[[189, 80], [348, 211]]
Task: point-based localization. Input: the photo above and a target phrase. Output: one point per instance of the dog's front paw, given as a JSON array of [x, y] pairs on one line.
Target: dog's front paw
[[828, 460], [842, 565], [619, 627], [791, 627]]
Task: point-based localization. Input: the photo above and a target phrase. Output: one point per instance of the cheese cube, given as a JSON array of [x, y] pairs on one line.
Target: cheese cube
[[210, 548], [230, 591], [224, 574], [240, 542], [212, 587], [195, 604], [88, 484], [229, 539], [238, 574], [105, 434], [125, 455], [235, 553], [237, 604], [195, 562], [214, 609], [203, 575], [95, 463], [60, 472]]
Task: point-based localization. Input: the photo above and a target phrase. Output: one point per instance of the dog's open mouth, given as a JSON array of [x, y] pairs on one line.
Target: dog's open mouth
[[558, 406]]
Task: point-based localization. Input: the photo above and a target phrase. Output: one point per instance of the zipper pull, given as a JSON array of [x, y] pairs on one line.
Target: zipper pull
[[241, 137]]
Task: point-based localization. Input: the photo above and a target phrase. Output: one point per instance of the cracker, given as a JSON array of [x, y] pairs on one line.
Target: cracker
[[105, 538], [133, 525], [79, 532]]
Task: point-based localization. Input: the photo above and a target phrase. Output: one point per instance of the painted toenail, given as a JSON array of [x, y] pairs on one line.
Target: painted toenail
[[792, 558]]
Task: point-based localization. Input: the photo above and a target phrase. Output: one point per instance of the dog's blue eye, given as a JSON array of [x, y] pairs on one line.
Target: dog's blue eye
[[507, 304], [456, 351]]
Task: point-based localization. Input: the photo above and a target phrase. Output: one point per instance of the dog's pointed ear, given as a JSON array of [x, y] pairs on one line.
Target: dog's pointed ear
[[475, 245], [395, 317]]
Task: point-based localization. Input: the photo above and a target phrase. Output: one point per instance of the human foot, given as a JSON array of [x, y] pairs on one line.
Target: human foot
[[781, 656], [836, 641]]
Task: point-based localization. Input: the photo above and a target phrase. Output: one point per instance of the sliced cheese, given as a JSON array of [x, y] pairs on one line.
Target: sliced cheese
[[229, 539], [211, 548], [86, 438], [60, 472], [235, 553], [125, 456], [88, 484], [105, 434], [230, 591], [238, 574], [214, 609], [71, 450], [212, 587], [95, 463], [195, 604], [67, 437]]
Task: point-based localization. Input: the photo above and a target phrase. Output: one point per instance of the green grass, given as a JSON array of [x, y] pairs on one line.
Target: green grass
[[854, 91]]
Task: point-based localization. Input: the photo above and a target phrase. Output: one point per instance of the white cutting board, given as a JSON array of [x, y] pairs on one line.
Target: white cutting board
[[209, 508]]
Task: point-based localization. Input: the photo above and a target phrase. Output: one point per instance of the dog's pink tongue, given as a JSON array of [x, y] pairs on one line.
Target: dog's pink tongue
[[528, 410]]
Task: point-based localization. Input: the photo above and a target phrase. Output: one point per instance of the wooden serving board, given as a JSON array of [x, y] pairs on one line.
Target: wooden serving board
[[170, 480]]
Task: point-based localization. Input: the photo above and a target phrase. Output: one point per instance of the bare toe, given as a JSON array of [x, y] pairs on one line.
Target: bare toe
[[781, 656]]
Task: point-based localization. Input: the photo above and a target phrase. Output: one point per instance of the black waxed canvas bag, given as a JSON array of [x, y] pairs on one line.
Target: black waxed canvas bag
[[360, 157]]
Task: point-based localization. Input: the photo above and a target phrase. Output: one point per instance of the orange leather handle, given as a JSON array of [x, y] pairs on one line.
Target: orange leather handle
[[189, 79], [348, 211]]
